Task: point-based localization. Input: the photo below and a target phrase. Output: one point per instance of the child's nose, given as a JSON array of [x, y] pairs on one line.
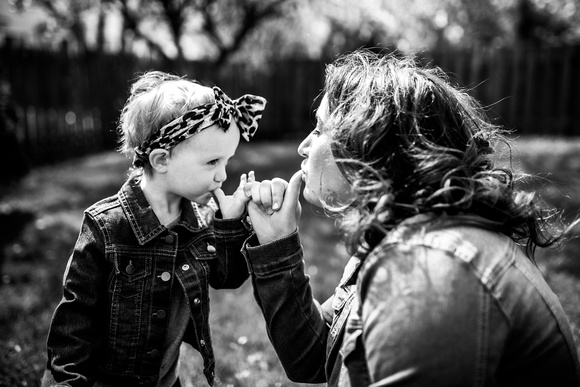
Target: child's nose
[[220, 175]]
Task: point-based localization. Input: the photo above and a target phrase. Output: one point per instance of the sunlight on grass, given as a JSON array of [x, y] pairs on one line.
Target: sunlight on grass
[[244, 356]]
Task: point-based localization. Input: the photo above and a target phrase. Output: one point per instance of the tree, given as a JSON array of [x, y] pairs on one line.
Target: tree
[[220, 26], [64, 18], [258, 30], [538, 24], [415, 25]]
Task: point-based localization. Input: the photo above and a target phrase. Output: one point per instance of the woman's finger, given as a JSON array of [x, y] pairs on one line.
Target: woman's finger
[[255, 193], [278, 188], [293, 191], [266, 195]]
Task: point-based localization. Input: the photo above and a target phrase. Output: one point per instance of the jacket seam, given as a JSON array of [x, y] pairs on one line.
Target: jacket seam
[[570, 343]]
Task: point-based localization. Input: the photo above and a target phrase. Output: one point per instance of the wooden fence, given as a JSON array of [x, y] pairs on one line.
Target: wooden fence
[[530, 90], [69, 105]]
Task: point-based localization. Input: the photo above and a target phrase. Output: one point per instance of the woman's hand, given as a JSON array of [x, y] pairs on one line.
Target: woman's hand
[[274, 208], [233, 206]]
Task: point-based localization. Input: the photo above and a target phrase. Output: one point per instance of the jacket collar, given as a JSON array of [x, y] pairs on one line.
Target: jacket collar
[[352, 267], [143, 220]]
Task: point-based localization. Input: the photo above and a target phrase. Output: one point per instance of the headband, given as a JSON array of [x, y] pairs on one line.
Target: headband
[[246, 111]]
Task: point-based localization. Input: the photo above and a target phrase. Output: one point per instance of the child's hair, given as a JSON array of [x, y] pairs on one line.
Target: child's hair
[[156, 98]]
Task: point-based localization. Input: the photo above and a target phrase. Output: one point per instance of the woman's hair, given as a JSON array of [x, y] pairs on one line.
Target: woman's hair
[[409, 142], [155, 99]]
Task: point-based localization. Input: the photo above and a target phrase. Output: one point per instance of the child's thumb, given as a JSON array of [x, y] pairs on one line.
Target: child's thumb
[[293, 191], [219, 195]]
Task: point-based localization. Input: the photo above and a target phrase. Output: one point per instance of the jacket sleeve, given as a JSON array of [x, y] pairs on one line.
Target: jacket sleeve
[[294, 320], [230, 269], [78, 323], [421, 313]]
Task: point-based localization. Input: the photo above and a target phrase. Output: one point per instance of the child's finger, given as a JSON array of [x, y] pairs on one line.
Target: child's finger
[[219, 195], [251, 177], [248, 188], [243, 180]]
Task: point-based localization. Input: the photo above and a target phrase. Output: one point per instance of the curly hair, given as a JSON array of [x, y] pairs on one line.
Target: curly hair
[[410, 142]]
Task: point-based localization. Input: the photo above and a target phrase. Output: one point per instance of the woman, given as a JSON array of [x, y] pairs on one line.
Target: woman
[[438, 292]]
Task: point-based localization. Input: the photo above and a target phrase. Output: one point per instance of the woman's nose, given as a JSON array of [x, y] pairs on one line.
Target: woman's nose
[[304, 146]]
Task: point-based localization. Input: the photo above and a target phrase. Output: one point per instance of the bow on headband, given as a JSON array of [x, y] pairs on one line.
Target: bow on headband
[[246, 111]]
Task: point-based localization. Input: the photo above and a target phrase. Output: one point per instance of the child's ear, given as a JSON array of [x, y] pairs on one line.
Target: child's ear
[[158, 160]]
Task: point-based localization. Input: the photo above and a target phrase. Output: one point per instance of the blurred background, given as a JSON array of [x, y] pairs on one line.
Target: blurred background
[[66, 67]]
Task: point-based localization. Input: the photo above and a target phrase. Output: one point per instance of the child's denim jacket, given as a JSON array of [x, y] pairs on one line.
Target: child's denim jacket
[[439, 302], [111, 324]]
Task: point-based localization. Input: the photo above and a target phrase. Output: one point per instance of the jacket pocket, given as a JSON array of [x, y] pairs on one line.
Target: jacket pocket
[[129, 294], [131, 272], [203, 248]]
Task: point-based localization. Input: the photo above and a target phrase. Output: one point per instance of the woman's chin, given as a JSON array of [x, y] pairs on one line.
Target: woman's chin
[[311, 198]]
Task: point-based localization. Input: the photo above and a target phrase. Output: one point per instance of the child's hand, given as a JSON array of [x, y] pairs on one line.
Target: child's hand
[[274, 209], [233, 206]]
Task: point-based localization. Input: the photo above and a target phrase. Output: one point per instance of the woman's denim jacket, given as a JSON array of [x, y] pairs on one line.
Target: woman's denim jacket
[[439, 302], [111, 324]]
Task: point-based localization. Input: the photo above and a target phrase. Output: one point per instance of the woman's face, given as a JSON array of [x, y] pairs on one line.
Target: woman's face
[[323, 180]]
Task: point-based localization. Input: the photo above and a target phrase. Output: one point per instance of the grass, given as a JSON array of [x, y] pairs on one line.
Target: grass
[[56, 196]]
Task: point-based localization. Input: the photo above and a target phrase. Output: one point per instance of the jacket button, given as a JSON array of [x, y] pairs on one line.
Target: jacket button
[[185, 267], [130, 269], [153, 353], [165, 276], [160, 314], [202, 343], [196, 301], [210, 248], [169, 239]]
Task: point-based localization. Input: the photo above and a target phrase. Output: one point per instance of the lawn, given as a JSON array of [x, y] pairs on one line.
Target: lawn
[[51, 200]]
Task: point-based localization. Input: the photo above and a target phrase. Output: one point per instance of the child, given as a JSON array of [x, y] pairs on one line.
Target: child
[[136, 285]]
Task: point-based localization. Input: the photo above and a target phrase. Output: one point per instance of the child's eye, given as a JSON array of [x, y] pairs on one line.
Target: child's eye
[[213, 162], [316, 132]]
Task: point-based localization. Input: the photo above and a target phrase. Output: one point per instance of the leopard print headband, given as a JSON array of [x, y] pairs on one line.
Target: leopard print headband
[[246, 111]]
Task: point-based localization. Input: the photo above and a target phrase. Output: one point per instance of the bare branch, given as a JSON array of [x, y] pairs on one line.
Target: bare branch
[[209, 24], [131, 23], [253, 16], [175, 11]]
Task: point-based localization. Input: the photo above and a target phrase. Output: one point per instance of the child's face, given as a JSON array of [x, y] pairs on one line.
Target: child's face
[[197, 166]]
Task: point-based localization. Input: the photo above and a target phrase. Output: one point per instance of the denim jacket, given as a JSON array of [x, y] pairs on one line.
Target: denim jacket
[[439, 302], [111, 324]]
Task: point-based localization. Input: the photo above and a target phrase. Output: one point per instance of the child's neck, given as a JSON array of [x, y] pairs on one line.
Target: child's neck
[[166, 207]]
